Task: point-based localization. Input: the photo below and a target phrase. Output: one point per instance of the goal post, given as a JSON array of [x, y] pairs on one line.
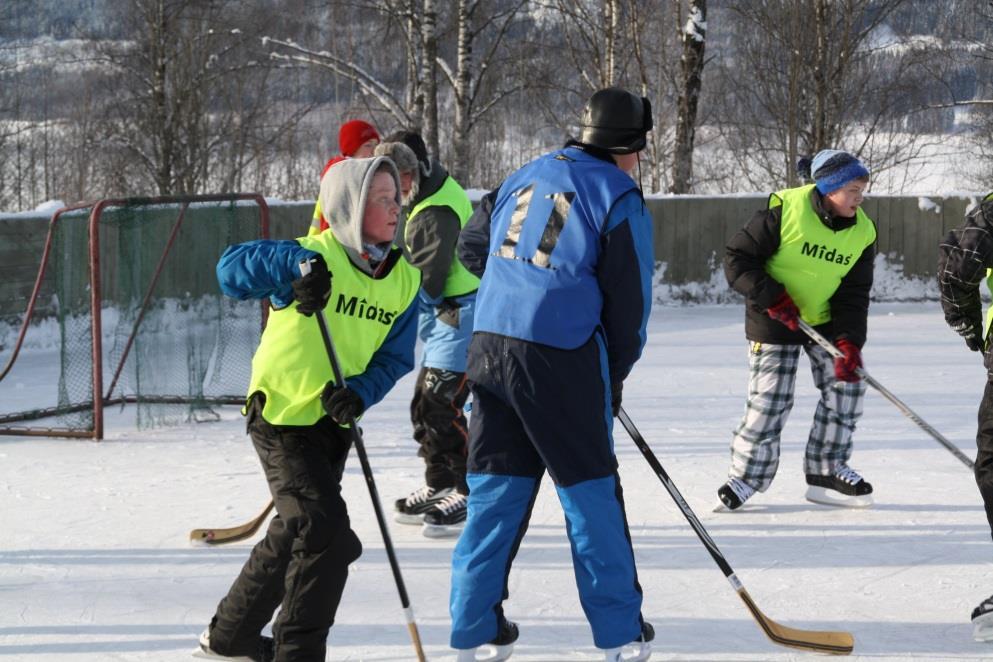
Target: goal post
[[126, 308]]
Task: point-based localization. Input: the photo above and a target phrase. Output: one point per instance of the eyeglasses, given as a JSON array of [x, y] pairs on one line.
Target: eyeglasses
[[386, 201]]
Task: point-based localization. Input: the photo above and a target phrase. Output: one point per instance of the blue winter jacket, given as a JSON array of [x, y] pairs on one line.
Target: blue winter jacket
[[267, 268], [564, 248]]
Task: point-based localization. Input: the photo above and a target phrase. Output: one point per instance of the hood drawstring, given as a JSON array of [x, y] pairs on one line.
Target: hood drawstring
[[376, 256], [374, 253]]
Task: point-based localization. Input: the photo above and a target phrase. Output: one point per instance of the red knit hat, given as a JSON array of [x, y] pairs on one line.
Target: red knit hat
[[353, 134]]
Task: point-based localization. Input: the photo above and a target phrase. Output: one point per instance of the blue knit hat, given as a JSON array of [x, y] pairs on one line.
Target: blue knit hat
[[833, 168]]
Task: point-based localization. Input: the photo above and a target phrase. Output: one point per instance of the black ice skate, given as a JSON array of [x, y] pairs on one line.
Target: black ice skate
[[499, 648], [265, 651], [733, 494], [637, 651], [845, 488], [982, 620], [447, 518], [411, 509]]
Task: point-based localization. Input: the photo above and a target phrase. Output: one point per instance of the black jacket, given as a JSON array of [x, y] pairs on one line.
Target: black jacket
[[963, 258], [744, 265], [429, 239]]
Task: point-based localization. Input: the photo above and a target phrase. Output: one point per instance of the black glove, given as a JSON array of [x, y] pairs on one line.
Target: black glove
[[313, 291], [971, 331], [615, 397], [343, 405]]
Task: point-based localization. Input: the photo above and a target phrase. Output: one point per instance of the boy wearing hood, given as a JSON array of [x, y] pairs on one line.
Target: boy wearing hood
[[357, 139], [297, 414]]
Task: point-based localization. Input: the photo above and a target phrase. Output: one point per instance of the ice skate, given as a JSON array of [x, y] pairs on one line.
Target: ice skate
[[638, 650], [732, 495], [265, 652], [844, 488], [447, 518], [411, 509], [500, 648], [982, 620]]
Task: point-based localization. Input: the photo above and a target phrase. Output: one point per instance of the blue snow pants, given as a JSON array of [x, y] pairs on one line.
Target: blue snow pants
[[538, 408]]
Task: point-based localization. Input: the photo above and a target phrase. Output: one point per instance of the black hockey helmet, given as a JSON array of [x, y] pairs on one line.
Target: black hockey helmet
[[616, 120]]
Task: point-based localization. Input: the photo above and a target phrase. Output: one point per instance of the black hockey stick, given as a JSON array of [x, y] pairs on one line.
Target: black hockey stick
[[231, 534], [408, 612], [839, 643], [907, 411]]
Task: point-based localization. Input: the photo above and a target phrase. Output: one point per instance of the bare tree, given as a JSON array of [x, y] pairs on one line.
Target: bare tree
[[182, 94], [963, 70], [194, 99], [410, 17], [654, 27], [807, 75], [473, 97], [592, 38], [15, 127], [367, 64], [591, 44], [429, 75], [385, 96], [693, 37]]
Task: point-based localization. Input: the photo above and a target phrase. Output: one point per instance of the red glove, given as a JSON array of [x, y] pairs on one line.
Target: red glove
[[845, 366], [785, 311]]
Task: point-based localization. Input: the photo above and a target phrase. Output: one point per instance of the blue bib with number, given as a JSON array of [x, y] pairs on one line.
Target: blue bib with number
[[545, 231]]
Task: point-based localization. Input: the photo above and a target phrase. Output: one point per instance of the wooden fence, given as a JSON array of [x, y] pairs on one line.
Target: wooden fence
[[691, 231], [690, 234]]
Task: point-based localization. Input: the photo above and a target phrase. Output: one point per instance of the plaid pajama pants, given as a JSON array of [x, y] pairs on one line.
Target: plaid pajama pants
[[772, 378]]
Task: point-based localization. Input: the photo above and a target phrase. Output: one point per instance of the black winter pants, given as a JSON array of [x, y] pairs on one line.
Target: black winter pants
[[984, 454], [440, 426], [302, 563]]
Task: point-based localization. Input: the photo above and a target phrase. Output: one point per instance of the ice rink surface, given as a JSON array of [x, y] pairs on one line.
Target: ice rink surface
[[95, 564]]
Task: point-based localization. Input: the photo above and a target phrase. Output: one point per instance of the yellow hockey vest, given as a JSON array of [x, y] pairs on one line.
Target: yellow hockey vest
[[291, 365], [812, 258], [315, 220], [459, 280], [989, 286]]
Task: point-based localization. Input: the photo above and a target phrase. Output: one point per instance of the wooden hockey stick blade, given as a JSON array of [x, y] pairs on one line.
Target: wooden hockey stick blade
[[839, 643], [415, 636], [232, 534], [822, 641]]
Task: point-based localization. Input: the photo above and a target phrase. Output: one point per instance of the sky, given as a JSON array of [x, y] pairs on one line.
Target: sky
[[95, 562]]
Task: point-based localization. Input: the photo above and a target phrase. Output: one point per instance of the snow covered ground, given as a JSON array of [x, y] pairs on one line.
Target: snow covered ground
[[94, 563]]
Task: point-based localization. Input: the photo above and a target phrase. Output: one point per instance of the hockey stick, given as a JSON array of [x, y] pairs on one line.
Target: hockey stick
[[408, 612], [232, 534], [907, 411], [839, 643]]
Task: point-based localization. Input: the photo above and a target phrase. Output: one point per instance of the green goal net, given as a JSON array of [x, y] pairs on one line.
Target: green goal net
[[126, 309]]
